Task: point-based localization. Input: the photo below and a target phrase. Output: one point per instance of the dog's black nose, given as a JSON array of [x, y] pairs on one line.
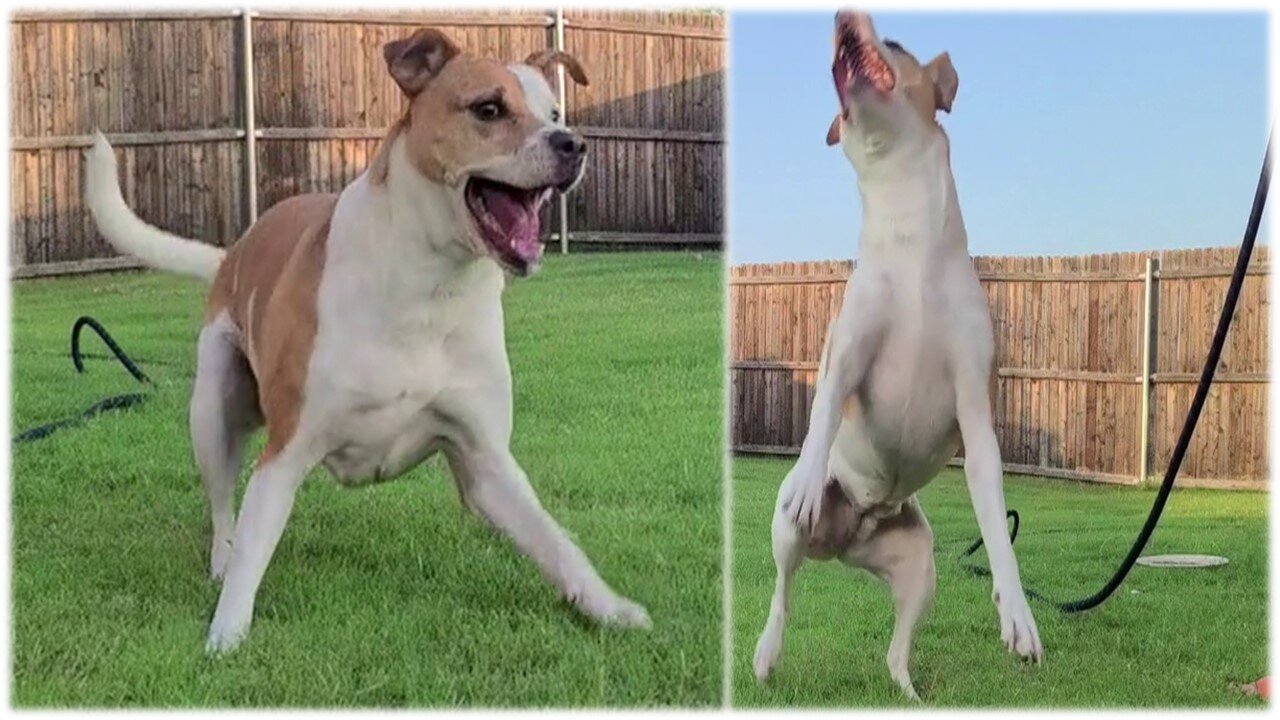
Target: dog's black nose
[[568, 145]]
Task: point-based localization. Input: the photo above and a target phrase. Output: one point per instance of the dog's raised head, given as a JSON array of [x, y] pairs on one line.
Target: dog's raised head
[[492, 134], [888, 100]]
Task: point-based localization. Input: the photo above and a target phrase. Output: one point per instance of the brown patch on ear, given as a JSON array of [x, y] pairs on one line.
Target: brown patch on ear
[[945, 81], [833, 132], [547, 60], [414, 60], [381, 164]]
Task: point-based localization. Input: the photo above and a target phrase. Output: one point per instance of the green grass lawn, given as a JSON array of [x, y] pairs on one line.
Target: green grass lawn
[[391, 595], [1167, 638]]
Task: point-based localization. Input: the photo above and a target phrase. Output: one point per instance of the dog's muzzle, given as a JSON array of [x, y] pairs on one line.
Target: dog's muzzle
[[570, 151]]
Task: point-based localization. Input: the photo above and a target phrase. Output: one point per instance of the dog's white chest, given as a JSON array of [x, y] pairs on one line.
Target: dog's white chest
[[901, 426], [382, 396], [383, 412], [392, 347]]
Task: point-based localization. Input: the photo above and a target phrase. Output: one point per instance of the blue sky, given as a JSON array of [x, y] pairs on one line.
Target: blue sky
[[1071, 133]]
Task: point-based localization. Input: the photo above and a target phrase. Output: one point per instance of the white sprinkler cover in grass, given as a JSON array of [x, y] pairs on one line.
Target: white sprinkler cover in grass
[[1182, 561]]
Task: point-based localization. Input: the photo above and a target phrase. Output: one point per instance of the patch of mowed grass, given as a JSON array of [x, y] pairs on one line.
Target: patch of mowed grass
[[390, 595], [1167, 638]]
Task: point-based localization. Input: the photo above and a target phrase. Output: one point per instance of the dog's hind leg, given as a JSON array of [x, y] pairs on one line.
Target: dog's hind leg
[[900, 551], [224, 411], [267, 503], [788, 554]]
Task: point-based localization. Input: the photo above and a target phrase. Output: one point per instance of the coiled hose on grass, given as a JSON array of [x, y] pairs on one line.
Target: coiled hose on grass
[[115, 402]]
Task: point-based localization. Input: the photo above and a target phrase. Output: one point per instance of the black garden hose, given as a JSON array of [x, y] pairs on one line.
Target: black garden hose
[[80, 324], [1188, 427], [115, 402]]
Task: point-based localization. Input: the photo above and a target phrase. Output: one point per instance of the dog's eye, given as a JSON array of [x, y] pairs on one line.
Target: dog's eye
[[488, 110], [555, 115]]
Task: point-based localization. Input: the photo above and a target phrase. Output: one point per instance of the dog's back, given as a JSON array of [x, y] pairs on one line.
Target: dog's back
[[256, 265]]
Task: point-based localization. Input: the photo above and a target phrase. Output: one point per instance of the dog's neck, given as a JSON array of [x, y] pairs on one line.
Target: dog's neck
[[420, 246], [909, 204]]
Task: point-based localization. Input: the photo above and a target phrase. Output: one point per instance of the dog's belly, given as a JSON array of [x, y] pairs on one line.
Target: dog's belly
[[385, 445], [897, 432], [377, 402]]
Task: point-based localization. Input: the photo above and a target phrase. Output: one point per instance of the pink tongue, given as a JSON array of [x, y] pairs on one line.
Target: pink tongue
[[518, 220]]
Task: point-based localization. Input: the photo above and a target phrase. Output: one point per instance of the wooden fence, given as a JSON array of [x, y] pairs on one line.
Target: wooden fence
[[1070, 348], [216, 115]]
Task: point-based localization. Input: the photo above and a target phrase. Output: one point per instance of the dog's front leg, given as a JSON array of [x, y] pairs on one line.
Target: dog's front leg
[[851, 345], [493, 485], [984, 475], [267, 503]]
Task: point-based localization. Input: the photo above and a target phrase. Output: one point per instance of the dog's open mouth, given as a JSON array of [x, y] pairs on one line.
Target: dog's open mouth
[[507, 220], [858, 63]]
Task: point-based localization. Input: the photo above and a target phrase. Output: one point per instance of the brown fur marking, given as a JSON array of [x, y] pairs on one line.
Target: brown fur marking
[[454, 138], [921, 83], [269, 291], [547, 61]]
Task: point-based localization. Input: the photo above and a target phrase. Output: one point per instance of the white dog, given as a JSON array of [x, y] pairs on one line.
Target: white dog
[[365, 329], [908, 369]]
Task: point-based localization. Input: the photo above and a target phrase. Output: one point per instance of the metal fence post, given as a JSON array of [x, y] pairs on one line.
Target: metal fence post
[[250, 121], [1149, 322], [564, 114]]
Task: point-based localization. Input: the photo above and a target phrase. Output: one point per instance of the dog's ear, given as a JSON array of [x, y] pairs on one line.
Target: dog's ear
[[547, 60], [945, 81], [414, 60], [833, 132]]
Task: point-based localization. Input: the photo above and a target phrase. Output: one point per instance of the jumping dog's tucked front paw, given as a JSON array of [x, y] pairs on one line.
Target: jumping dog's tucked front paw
[[802, 496], [1017, 626]]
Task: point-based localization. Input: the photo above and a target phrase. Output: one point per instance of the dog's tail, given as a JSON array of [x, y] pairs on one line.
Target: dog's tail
[[128, 233]]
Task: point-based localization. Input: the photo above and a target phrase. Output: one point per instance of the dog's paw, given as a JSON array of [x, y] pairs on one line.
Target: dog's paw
[[901, 675], [224, 638], [768, 648], [218, 560], [609, 609], [1017, 626], [220, 644], [802, 496], [626, 615]]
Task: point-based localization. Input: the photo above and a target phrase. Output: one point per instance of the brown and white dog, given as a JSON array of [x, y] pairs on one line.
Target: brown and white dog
[[365, 329]]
